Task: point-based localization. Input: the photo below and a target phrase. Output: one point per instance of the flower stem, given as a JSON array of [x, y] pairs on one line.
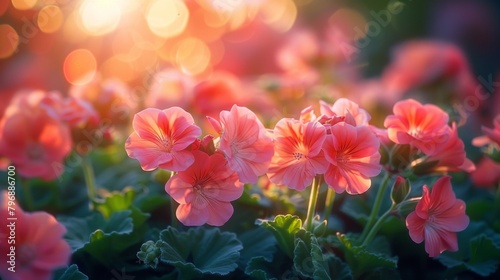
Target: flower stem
[[330, 197], [376, 206], [28, 197], [173, 208], [377, 226], [88, 174], [496, 207], [312, 202]]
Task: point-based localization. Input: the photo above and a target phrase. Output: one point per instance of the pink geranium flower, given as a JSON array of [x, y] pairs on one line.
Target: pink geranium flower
[[449, 156], [205, 191], [245, 142], [161, 137], [297, 153], [420, 125], [353, 156], [439, 215], [343, 107], [33, 139], [39, 244]]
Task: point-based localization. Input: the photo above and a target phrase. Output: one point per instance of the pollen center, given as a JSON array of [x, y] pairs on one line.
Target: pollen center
[[298, 156], [342, 159], [35, 152]]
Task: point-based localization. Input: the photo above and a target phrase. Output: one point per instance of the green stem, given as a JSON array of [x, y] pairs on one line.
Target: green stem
[[376, 205], [88, 174], [330, 197], [377, 226], [173, 208], [496, 207], [28, 197], [312, 202]]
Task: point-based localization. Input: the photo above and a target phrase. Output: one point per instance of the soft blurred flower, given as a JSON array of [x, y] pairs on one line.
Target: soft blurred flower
[[245, 142], [492, 135], [353, 156], [161, 137], [205, 191], [487, 173], [439, 215], [32, 138], [170, 87], [420, 125], [112, 99], [297, 153], [297, 57], [425, 64], [39, 245], [75, 112], [218, 93]]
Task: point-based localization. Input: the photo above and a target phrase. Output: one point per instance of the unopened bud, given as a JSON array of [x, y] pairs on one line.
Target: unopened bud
[[400, 190]]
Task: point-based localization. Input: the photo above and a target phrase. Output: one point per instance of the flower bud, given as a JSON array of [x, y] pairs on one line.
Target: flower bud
[[400, 190], [150, 253]]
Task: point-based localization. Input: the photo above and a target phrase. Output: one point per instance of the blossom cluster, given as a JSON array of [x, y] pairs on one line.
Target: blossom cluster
[[338, 145]]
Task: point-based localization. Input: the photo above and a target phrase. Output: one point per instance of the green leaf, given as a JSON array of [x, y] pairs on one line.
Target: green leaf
[[200, 250], [72, 273], [105, 239], [283, 228], [116, 201], [482, 255], [259, 268], [308, 258], [361, 260], [257, 242], [338, 269]]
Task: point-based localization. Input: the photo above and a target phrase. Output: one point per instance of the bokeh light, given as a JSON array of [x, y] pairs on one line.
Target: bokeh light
[[280, 14], [100, 16], [24, 4], [50, 19], [9, 39], [79, 67], [192, 56], [167, 18]]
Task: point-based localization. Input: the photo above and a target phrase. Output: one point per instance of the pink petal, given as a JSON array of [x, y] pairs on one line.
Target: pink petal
[[415, 226], [219, 212], [179, 190], [190, 216]]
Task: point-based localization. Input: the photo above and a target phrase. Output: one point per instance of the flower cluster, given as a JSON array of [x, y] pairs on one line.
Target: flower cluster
[[425, 142], [338, 145]]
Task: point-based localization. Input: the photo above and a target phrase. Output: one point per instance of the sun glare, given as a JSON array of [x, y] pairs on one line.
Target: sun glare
[[100, 17], [167, 18]]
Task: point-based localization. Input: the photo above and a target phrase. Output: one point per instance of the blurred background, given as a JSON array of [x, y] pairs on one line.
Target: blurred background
[[161, 49]]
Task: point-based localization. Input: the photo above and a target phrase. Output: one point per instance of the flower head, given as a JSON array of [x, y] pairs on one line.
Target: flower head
[[449, 156], [422, 126], [161, 137], [297, 153], [353, 156], [439, 215], [245, 142], [205, 190], [39, 244], [33, 139]]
